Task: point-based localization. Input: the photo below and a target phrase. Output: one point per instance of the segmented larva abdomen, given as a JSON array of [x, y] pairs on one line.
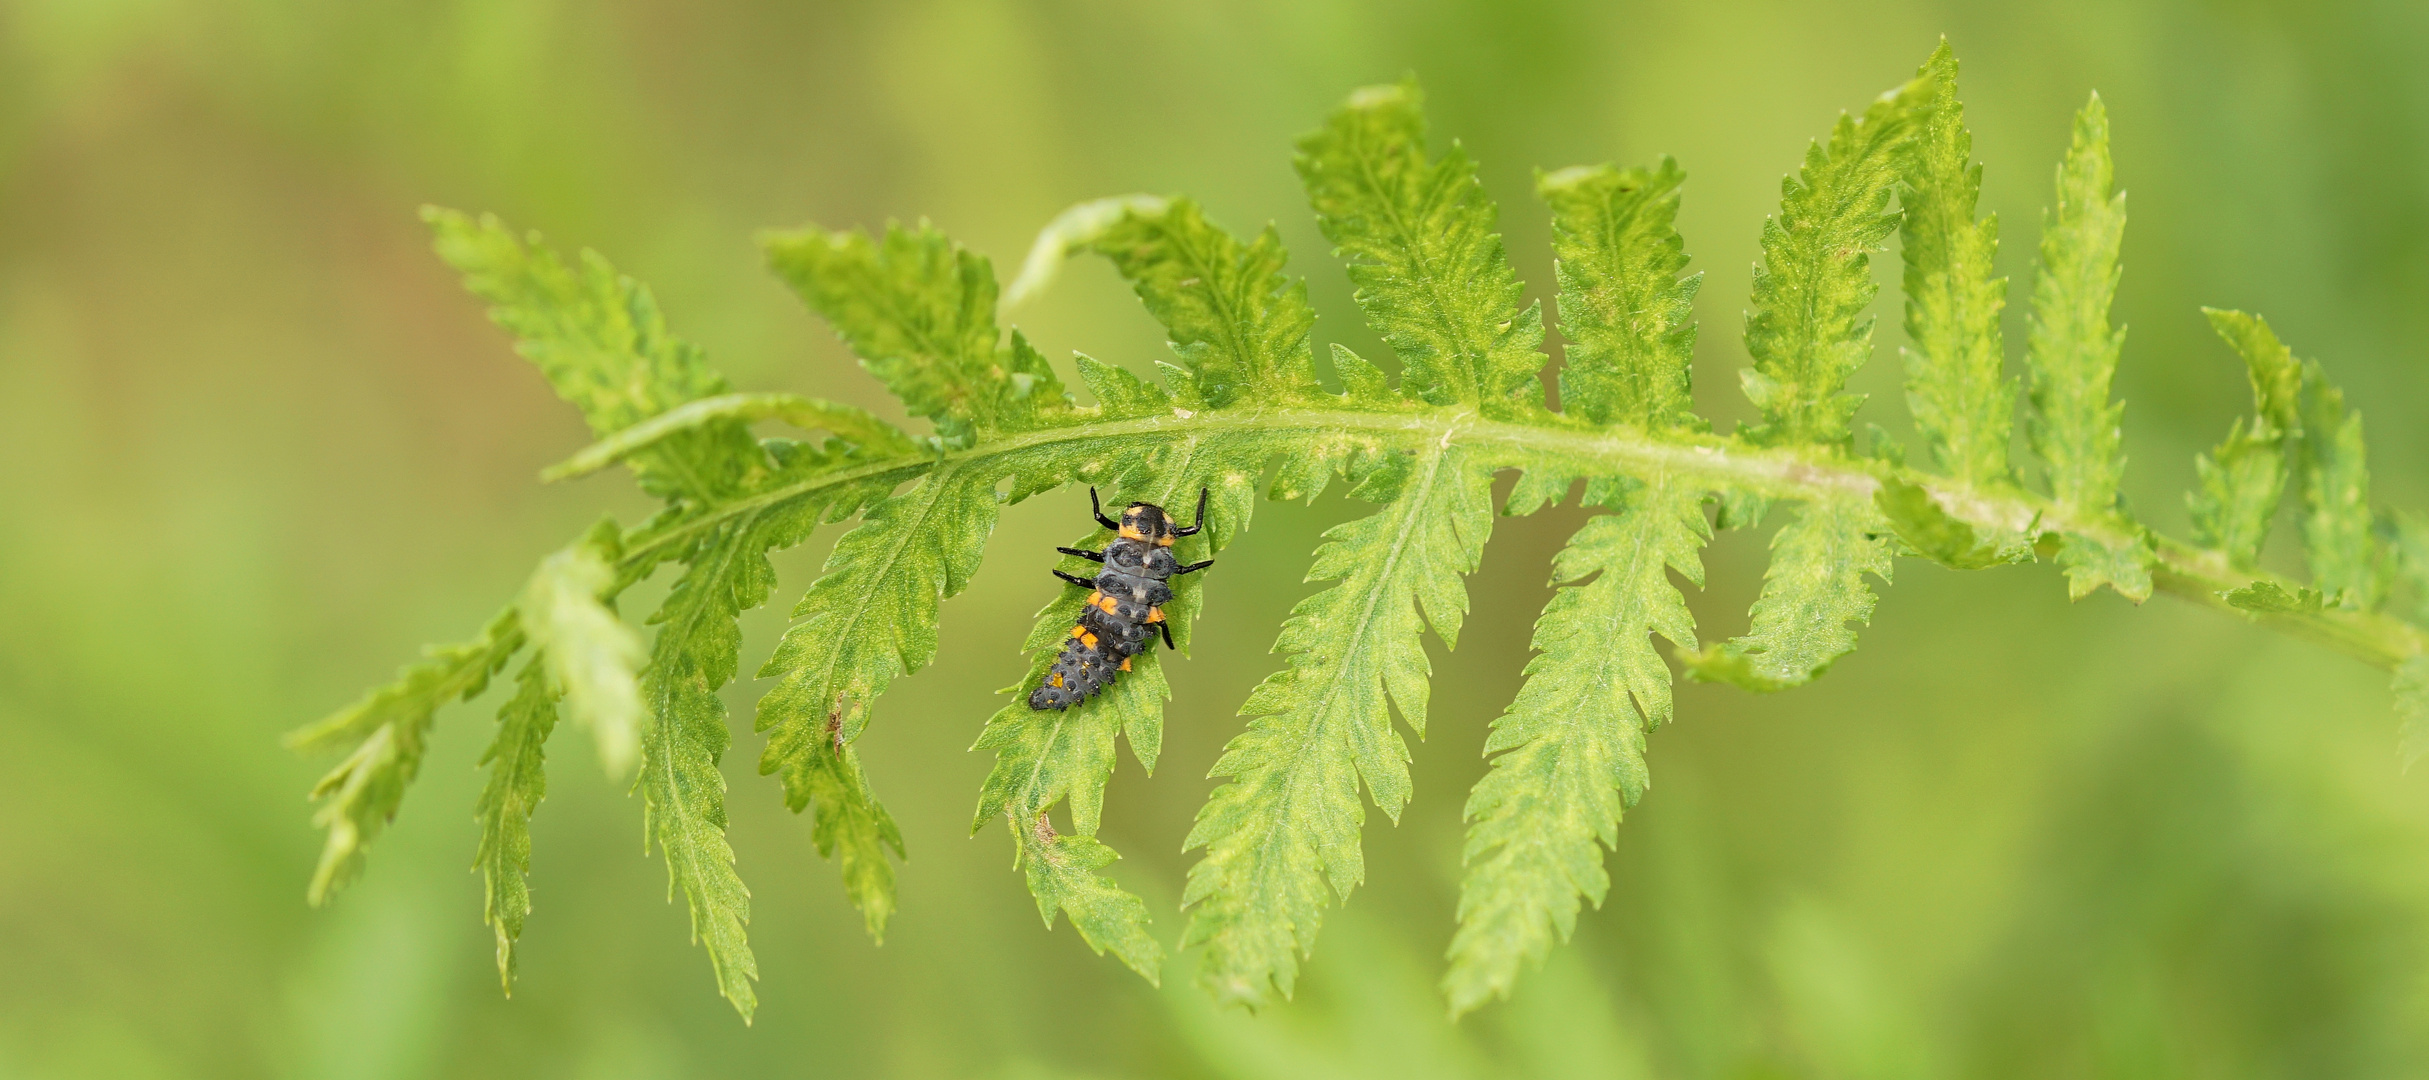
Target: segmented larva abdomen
[[1084, 667]]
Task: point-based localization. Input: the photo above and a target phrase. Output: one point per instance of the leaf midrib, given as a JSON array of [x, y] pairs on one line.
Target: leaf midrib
[[1295, 779], [1712, 462], [937, 483], [732, 978]]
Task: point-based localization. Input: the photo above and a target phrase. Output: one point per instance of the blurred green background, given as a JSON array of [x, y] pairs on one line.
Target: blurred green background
[[256, 447]]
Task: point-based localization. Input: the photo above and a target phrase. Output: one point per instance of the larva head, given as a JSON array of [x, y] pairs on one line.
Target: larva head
[[1148, 522]]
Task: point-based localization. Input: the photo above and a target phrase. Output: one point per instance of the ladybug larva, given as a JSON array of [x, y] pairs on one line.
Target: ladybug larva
[[1125, 602]]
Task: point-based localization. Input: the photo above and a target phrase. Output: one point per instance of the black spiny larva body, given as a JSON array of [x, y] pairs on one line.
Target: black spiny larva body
[[1125, 605]]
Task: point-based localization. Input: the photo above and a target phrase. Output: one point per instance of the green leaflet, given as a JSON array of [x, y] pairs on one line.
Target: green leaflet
[[2269, 598], [1940, 536], [1628, 316], [1045, 757], [1812, 591], [1808, 332], [2072, 352], [2241, 480], [603, 344], [1287, 823], [390, 726], [2408, 543], [2336, 525], [1419, 244], [2412, 707], [870, 617], [1961, 401], [1434, 282], [1062, 874], [2072, 347], [1572, 745], [2240, 483], [919, 310], [2090, 564], [1239, 325], [590, 656], [683, 795], [517, 783], [2275, 375]]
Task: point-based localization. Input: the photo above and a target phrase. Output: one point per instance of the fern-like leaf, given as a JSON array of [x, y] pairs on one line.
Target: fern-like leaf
[[517, 782], [1419, 240], [1962, 403], [869, 618], [591, 657], [1287, 823], [1807, 335], [919, 310], [1572, 745], [1813, 596], [2412, 708], [1808, 332], [1628, 316], [390, 728], [1239, 325], [2073, 353], [2337, 529], [2242, 479], [603, 344], [1043, 757], [1241, 395]]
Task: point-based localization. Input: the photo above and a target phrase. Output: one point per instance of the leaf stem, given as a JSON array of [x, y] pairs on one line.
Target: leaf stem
[[2190, 572]]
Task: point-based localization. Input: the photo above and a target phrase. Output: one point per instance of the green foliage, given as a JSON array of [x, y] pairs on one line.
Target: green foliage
[[919, 310], [2412, 707], [1572, 746], [1808, 331], [1963, 405], [592, 658], [1287, 824], [1042, 758], [2336, 525], [1629, 317], [1934, 533], [1243, 395], [2075, 428], [1419, 240], [1240, 327], [388, 727], [2243, 478], [1812, 591], [517, 783]]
